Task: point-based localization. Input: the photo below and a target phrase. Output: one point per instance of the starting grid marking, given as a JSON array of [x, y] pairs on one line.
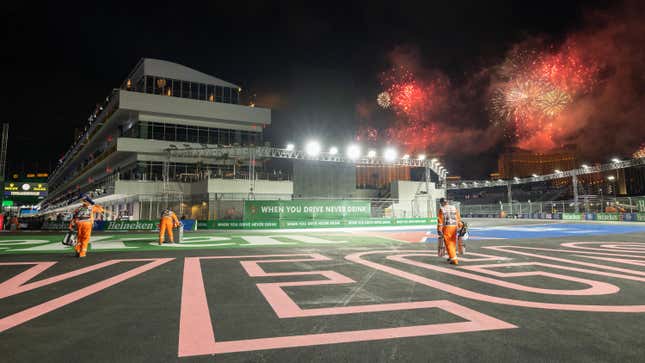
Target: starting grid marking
[[196, 330]]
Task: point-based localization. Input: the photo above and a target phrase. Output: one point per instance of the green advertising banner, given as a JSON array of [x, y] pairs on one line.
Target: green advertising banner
[[640, 217], [243, 224], [305, 209], [608, 217], [311, 223], [573, 216]]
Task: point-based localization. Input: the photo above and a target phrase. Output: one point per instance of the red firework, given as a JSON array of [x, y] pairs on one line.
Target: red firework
[[538, 89], [413, 101]]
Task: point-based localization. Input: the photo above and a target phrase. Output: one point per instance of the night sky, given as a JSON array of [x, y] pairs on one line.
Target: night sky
[[314, 65]]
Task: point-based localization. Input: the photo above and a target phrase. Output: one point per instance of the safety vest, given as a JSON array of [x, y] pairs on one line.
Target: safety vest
[[449, 215], [84, 213]]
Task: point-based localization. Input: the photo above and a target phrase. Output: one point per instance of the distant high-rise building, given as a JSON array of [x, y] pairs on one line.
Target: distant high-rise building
[[521, 163]]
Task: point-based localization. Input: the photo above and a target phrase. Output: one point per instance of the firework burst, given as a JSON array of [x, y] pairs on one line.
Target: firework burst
[[384, 100], [537, 87]]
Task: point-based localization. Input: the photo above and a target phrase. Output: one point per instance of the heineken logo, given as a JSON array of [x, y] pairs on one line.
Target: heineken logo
[[131, 225]]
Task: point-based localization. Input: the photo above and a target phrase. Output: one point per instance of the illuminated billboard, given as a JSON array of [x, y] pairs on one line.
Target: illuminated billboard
[[24, 189]]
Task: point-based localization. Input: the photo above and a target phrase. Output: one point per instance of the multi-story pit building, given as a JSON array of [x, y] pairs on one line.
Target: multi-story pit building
[[160, 106]]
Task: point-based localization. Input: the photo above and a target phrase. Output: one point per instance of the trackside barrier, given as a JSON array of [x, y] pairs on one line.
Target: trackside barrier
[[313, 223], [145, 225], [614, 217]]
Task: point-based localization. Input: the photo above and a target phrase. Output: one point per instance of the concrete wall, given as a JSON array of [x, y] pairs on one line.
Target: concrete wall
[[414, 200], [323, 179]]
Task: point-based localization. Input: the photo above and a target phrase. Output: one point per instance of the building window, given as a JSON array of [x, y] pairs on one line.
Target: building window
[[235, 96], [191, 134], [224, 137], [202, 92], [176, 88], [211, 93], [218, 94], [150, 84], [181, 133], [160, 86], [169, 132], [194, 90], [157, 131], [185, 89], [227, 95], [141, 85], [203, 135]]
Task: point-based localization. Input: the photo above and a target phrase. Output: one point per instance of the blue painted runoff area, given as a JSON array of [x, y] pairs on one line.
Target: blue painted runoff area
[[551, 230]]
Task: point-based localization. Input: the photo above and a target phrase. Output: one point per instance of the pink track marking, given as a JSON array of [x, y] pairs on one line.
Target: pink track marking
[[602, 267], [633, 247], [618, 260], [578, 252], [596, 287], [480, 259], [28, 314], [358, 258], [196, 335], [17, 284]]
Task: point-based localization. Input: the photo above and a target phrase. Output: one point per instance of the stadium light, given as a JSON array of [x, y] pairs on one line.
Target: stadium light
[[312, 148], [558, 171], [421, 157], [406, 157], [290, 147], [353, 152], [371, 154], [333, 150], [516, 179], [434, 160], [611, 178], [585, 166], [534, 175], [389, 154], [615, 160]]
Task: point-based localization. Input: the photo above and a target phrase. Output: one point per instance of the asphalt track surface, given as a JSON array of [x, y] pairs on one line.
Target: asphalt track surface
[[575, 297]]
